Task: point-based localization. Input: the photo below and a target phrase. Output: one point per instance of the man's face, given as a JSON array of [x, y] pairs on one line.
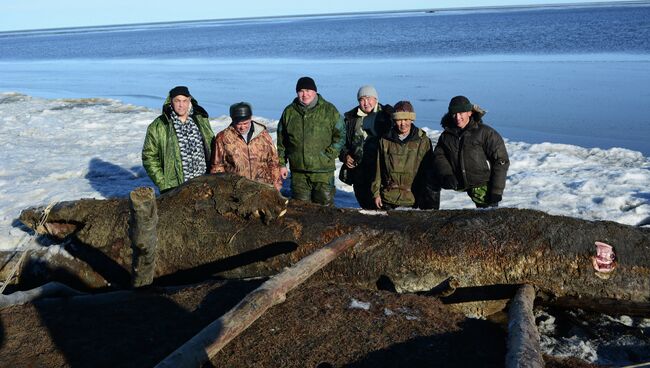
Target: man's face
[[306, 96], [367, 104], [181, 105], [403, 125], [462, 119], [243, 126]]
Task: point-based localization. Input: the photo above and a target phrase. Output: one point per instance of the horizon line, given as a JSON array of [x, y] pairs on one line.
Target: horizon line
[[377, 12]]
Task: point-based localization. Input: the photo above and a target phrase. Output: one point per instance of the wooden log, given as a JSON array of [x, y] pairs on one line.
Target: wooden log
[[207, 343], [48, 290], [523, 338], [143, 234]]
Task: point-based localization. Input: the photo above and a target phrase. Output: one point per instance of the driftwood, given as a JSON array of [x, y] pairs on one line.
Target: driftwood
[[51, 289], [226, 226], [207, 343], [523, 338], [143, 235]]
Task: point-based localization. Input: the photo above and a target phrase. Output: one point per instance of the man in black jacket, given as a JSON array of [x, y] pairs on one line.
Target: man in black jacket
[[470, 156]]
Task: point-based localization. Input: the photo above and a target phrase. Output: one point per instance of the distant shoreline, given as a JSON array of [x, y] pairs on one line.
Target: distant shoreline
[[324, 15]]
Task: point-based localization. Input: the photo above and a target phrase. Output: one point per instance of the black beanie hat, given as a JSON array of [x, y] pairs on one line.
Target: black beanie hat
[[179, 90], [460, 104], [240, 111], [306, 83]]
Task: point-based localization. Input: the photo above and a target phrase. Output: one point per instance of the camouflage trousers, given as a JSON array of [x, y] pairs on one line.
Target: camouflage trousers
[[313, 187]]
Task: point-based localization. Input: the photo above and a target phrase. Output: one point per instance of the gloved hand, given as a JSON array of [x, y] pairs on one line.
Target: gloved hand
[[449, 182], [494, 200]]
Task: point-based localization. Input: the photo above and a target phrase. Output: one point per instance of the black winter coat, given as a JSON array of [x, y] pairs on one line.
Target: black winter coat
[[364, 149], [475, 156]]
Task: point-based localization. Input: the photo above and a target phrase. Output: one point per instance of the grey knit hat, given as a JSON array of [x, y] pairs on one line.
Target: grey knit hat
[[367, 91]]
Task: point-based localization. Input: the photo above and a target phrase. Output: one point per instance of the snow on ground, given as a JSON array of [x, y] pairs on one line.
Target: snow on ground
[[66, 149]]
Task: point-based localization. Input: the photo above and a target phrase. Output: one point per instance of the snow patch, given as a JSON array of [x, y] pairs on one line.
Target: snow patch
[[356, 304]]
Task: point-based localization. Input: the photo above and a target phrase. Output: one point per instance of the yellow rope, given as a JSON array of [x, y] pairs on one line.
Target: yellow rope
[[23, 241]]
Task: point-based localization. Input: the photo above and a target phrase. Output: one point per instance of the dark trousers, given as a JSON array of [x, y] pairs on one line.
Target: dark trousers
[[313, 187]]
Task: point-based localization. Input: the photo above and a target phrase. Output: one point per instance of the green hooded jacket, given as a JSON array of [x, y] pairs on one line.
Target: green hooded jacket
[[161, 156], [403, 168], [310, 139]]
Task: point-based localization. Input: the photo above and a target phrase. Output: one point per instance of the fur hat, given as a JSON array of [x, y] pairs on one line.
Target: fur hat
[[306, 83], [404, 111]]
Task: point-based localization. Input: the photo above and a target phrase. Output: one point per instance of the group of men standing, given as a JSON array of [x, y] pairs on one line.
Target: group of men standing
[[387, 159]]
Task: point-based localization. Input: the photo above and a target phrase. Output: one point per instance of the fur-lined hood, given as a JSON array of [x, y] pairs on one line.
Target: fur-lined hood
[[448, 123]]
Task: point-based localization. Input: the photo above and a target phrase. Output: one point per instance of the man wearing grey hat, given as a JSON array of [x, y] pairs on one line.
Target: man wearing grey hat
[[365, 124], [470, 156], [177, 145], [310, 135]]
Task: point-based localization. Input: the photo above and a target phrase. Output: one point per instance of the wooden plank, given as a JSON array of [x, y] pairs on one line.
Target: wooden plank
[[207, 343], [523, 338], [143, 234]]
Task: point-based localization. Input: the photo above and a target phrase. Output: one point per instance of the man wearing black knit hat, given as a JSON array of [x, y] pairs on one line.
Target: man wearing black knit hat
[[177, 145], [311, 133], [470, 156]]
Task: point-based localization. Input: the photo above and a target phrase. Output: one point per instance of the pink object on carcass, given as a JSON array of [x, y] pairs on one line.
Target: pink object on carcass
[[605, 259]]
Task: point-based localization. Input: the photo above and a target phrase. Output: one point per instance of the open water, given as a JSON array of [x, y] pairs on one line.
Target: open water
[[575, 75], [577, 30]]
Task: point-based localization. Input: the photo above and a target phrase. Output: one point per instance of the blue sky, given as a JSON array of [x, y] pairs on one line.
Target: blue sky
[[39, 14]]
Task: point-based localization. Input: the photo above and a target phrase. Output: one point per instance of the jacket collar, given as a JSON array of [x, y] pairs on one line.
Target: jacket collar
[[393, 136]]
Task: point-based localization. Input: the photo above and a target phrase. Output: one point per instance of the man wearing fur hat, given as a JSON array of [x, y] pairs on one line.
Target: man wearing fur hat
[[364, 125], [177, 145], [310, 135], [246, 148], [403, 169], [471, 156]]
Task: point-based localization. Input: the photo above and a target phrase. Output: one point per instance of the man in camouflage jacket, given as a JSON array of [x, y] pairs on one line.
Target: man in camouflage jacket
[[310, 135], [246, 148]]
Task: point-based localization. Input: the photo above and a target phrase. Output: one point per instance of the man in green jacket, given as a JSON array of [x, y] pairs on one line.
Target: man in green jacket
[[177, 145], [310, 135], [403, 169]]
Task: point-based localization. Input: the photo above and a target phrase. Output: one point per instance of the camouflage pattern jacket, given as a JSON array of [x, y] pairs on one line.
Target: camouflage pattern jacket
[[256, 160], [310, 139]]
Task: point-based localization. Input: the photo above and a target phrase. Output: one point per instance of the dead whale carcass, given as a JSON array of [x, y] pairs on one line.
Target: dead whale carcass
[[230, 227]]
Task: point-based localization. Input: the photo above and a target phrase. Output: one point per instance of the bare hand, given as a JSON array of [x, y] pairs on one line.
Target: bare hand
[[350, 162], [378, 202], [284, 173]]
